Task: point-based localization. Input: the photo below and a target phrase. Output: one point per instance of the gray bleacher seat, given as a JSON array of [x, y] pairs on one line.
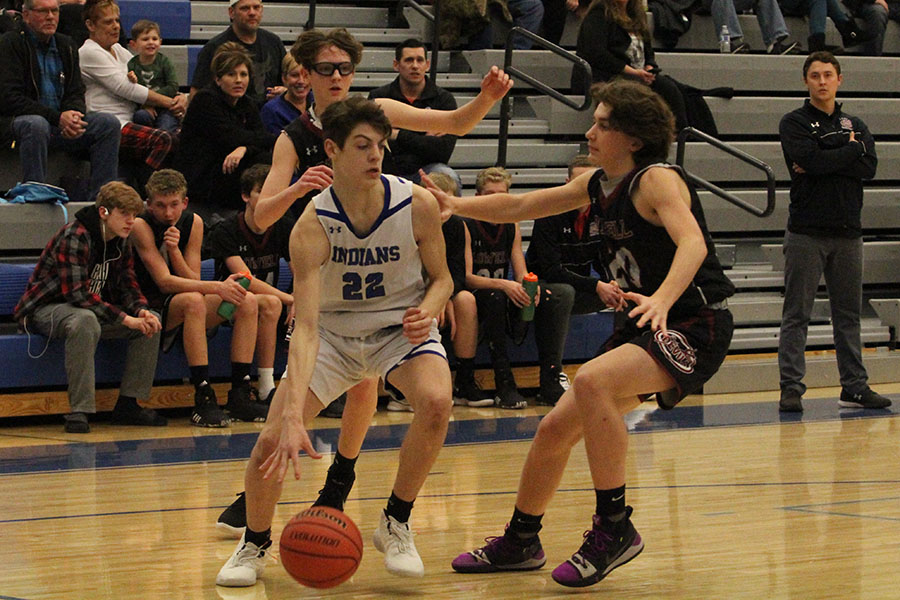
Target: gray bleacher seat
[[26, 228]]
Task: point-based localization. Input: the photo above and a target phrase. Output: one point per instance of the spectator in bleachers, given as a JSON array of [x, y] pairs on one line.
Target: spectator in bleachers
[[816, 11], [278, 112], [83, 289], [104, 67], [43, 103], [774, 30], [828, 154], [239, 245], [459, 323], [265, 48], [614, 39], [152, 69], [492, 250], [527, 14], [168, 239], [414, 150], [564, 252], [874, 14], [222, 134]]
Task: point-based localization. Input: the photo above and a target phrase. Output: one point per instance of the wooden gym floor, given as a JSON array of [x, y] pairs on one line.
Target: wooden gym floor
[[732, 499]]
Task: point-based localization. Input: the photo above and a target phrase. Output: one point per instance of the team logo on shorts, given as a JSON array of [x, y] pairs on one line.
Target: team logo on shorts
[[677, 350]]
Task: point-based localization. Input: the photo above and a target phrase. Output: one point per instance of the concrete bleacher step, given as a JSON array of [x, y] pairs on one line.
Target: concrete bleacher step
[[750, 72], [881, 210], [480, 153], [491, 127], [714, 165], [821, 335], [754, 373], [760, 115], [26, 228], [748, 276], [753, 309], [880, 261]]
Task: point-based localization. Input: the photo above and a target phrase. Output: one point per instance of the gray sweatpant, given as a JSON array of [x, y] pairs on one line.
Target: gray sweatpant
[[82, 331], [806, 258]]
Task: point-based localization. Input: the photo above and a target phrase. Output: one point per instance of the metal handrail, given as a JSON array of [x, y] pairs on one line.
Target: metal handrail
[[435, 20], [538, 85], [311, 17], [690, 132]]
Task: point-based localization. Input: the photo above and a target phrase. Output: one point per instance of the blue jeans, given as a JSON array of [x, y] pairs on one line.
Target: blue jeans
[[35, 136], [164, 120], [768, 15], [816, 11], [526, 14], [876, 19]]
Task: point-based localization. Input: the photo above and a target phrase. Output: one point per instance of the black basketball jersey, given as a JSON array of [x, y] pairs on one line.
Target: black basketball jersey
[[156, 297], [638, 254], [305, 134], [491, 247], [261, 252]]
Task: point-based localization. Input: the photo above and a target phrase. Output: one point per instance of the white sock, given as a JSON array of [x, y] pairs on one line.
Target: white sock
[[266, 381]]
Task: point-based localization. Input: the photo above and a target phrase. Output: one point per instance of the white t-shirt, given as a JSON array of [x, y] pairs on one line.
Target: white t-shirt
[[105, 76]]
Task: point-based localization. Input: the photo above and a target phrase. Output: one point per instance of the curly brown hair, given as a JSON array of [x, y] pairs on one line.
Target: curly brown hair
[[636, 110], [308, 45]]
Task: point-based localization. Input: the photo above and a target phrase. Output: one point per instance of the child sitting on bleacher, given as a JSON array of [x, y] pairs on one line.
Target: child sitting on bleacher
[[153, 69], [239, 245]]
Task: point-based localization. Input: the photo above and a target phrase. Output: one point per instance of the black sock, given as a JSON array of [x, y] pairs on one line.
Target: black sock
[[127, 403], [465, 371], [342, 465], [240, 374], [199, 375], [611, 503], [399, 509], [525, 526], [258, 537]]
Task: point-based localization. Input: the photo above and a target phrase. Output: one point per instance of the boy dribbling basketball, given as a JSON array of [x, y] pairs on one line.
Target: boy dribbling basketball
[[358, 251]]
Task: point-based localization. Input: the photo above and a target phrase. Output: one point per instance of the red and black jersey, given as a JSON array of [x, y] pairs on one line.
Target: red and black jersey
[[639, 254], [491, 247]]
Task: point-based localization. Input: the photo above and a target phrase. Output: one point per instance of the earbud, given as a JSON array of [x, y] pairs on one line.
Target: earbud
[[104, 212]]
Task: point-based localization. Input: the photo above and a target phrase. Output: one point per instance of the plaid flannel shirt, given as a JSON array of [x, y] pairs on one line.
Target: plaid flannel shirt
[[63, 275]]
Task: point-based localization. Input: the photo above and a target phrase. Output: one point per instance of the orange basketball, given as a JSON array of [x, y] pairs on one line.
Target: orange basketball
[[321, 547]]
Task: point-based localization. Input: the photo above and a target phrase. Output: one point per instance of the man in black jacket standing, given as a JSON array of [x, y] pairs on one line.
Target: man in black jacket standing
[[43, 99], [828, 154], [413, 150]]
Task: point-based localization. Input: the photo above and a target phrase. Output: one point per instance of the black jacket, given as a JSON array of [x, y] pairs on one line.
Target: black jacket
[[413, 150], [827, 199], [604, 45], [20, 80], [557, 254], [211, 130]]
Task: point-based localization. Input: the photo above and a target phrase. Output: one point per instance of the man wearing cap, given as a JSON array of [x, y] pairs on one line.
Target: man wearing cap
[[264, 47]]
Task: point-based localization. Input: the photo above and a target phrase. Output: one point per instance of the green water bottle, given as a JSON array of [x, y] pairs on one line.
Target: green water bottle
[[530, 283], [226, 309]]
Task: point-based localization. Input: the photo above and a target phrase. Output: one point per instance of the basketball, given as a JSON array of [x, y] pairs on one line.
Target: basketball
[[321, 547]]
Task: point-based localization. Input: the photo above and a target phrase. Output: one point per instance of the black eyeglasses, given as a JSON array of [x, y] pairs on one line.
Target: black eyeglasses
[[327, 69]]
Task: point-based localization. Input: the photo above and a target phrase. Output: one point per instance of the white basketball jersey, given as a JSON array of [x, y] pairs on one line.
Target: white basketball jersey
[[369, 282]]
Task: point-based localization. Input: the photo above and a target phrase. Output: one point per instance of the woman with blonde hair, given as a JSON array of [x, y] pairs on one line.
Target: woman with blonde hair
[[278, 112]]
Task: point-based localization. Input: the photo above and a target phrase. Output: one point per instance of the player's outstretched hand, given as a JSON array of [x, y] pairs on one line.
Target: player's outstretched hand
[[293, 439], [651, 309], [496, 84], [445, 200], [314, 178], [416, 324]]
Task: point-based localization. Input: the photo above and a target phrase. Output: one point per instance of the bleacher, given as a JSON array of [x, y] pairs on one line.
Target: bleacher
[[544, 135]]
